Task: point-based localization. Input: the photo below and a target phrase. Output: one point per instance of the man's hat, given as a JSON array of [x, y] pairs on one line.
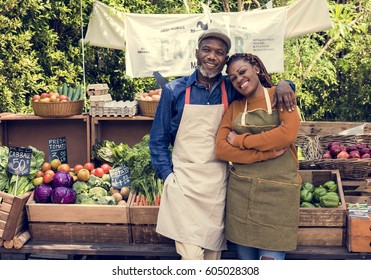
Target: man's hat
[[216, 33]]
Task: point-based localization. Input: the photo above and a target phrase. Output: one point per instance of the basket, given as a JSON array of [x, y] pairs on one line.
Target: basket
[[354, 169], [58, 109], [148, 108], [310, 151]]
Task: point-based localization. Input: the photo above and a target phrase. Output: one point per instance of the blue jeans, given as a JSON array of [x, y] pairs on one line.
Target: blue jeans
[[251, 253]]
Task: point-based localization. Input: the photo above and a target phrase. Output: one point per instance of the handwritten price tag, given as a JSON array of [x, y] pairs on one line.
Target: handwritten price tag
[[120, 177], [19, 161], [58, 149]]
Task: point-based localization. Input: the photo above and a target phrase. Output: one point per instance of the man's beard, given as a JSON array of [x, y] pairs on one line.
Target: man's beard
[[208, 74]]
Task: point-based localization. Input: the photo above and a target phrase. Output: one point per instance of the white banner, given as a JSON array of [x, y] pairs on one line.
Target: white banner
[[167, 42]]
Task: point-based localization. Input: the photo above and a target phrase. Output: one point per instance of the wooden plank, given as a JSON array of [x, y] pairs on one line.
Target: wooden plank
[[322, 236], [76, 232], [314, 128], [14, 214], [77, 213], [146, 234]]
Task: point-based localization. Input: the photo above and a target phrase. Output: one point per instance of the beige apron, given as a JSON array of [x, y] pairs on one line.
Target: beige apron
[[192, 207], [263, 197]]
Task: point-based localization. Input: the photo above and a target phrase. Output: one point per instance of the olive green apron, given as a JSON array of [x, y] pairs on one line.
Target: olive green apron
[[263, 198], [192, 207]]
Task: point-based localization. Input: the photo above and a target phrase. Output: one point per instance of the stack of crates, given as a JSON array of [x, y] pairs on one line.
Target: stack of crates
[[102, 105]]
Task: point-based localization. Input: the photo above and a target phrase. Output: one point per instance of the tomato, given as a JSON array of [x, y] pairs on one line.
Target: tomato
[[92, 172], [49, 172], [106, 168], [89, 166], [63, 97], [46, 166], [99, 172], [64, 167], [36, 98], [77, 168], [39, 173], [83, 175], [44, 95], [47, 178]]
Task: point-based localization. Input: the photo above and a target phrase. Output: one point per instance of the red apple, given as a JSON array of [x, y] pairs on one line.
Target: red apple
[[44, 95], [366, 156], [354, 154], [36, 98], [63, 97]]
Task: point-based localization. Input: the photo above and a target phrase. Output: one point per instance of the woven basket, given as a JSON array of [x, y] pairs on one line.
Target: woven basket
[[355, 169], [148, 108], [58, 109], [310, 151]]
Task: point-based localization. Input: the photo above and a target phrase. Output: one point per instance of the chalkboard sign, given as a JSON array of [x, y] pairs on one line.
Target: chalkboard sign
[[120, 177], [58, 149], [19, 161]]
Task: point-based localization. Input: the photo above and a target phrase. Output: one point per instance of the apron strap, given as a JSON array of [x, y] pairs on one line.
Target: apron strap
[[224, 96], [267, 102]]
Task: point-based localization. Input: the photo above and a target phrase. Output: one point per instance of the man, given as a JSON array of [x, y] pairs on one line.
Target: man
[[187, 118]]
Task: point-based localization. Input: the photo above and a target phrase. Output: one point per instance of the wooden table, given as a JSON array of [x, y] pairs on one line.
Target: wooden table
[[50, 250]]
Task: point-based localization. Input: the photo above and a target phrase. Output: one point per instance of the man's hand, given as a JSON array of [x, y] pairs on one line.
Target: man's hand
[[284, 97]]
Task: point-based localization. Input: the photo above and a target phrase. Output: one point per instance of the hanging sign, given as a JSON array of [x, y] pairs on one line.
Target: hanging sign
[[19, 161], [58, 149], [120, 177]]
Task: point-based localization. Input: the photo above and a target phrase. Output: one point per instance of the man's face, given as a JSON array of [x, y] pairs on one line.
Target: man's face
[[211, 56]]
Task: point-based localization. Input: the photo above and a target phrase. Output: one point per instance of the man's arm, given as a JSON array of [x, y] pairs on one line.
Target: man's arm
[[285, 96]]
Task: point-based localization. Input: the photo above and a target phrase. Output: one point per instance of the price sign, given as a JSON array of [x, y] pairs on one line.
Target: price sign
[[120, 177], [19, 161], [58, 149]]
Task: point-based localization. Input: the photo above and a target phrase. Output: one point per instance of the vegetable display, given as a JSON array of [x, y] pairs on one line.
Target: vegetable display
[[14, 184], [324, 195]]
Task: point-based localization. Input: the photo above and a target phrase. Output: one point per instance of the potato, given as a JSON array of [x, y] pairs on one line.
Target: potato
[[125, 191], [117, 196]]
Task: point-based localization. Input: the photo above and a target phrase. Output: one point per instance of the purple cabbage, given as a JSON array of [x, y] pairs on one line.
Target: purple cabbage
[[42, 193], [62, 179], [63, 195]]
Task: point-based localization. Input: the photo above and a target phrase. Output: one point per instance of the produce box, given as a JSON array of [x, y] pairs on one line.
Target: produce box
[[13, 216], [322, 226], [143, 221], [78, 223], [359, 234]]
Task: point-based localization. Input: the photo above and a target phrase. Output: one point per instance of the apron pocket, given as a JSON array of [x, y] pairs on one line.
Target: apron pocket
[[275, 203], [238, 193]]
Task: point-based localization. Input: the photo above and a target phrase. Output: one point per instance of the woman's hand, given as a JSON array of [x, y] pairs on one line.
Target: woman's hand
[[231, 137], [280, 152], [284, 97]]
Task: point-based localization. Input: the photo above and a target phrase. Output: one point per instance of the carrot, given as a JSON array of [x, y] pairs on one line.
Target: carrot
[[137, 199]]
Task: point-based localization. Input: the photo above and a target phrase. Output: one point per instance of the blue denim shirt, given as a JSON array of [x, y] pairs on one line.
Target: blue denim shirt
[[169, 113]]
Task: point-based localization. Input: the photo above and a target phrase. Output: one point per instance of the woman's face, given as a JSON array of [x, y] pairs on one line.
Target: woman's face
[[211, 57], [244, 77]]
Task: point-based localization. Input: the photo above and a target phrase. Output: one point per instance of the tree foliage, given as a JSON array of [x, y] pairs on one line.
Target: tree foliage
[[40, 48]]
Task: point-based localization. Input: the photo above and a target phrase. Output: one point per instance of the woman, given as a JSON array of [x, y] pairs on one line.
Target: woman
[[262, 210]]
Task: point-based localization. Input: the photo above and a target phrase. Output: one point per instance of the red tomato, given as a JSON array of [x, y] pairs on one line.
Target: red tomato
[[106, 168], [77, 168], [39, 173], [92, 172], [99, 172], [89, 166], [47, 178]]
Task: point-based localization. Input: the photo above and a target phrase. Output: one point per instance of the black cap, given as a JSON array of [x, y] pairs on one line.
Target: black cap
[[216, 33]]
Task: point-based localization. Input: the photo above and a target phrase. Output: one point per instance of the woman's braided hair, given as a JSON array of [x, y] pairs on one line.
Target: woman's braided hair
[[264, 77]]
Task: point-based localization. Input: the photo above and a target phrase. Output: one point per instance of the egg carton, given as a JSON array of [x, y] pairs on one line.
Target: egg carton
[[99, 100], [115, 109], [97, 89]]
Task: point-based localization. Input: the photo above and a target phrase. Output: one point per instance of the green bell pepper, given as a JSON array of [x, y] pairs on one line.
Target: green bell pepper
[[329, 200], [307, 186], [318, 192], [331, 186], [305, 195], [307, 205]]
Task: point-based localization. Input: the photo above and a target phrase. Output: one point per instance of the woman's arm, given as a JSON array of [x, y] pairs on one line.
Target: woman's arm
[[226, 152], [285, 96]]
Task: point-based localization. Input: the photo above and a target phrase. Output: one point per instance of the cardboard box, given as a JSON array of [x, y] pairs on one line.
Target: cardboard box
[[322, 226], [13, 216], [78, 222], [359, 234]]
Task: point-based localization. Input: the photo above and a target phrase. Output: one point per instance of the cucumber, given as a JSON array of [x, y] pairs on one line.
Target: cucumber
[[64, 89], [77, 93], [70, 93]]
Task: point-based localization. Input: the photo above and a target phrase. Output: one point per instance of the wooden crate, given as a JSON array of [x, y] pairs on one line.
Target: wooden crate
[[322, 226], [143, 221], [359, 235], [13, 216], [78, 223]]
